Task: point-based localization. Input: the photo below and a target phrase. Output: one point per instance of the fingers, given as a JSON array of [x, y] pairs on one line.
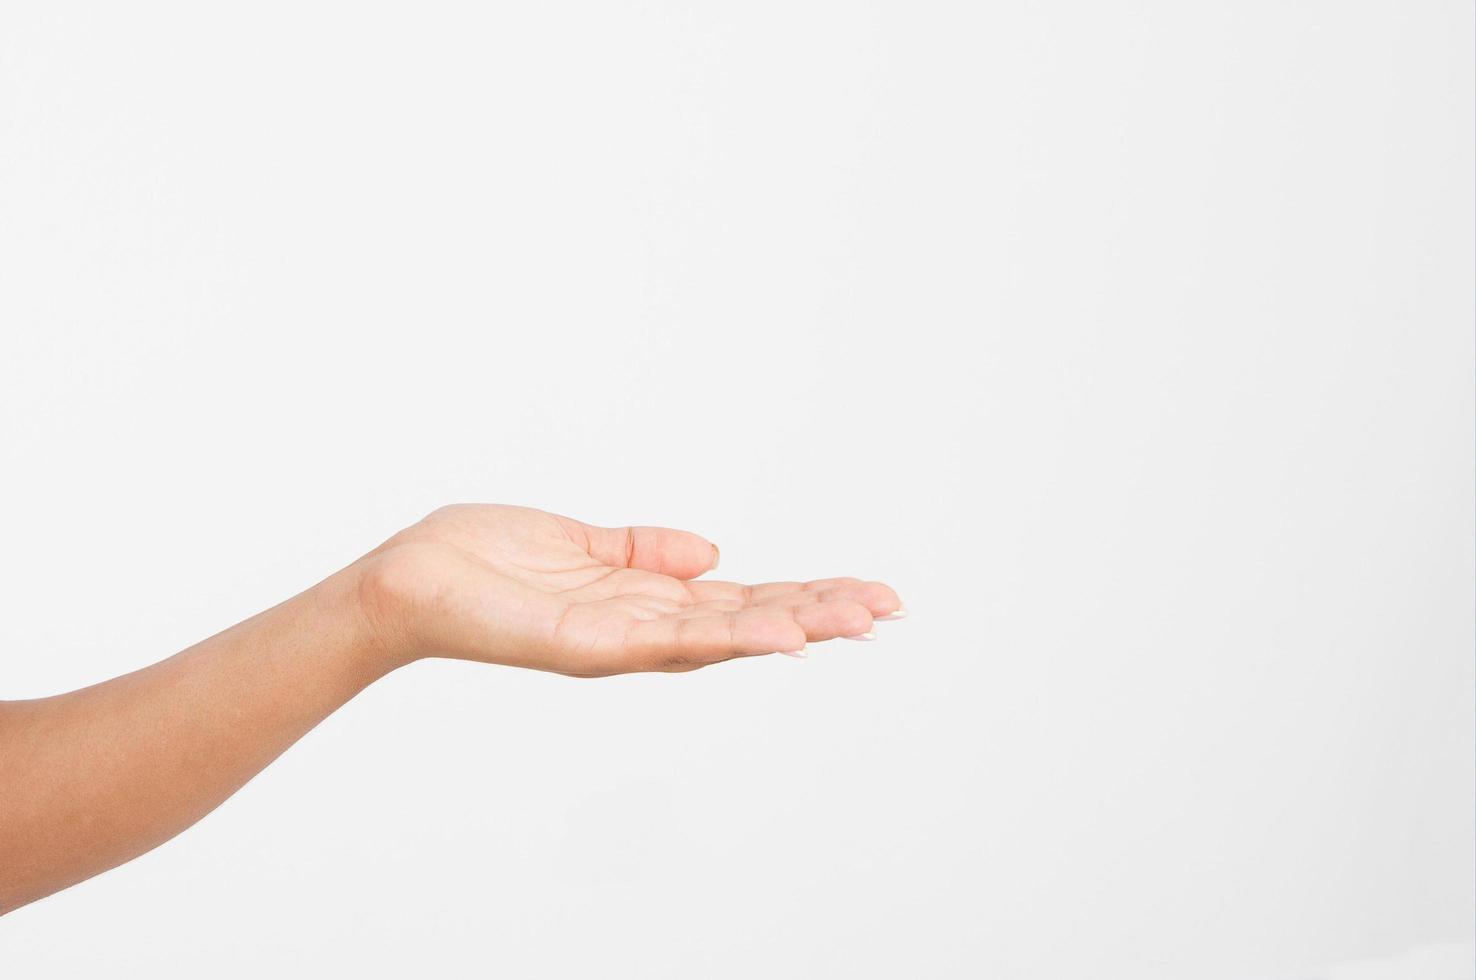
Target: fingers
[[679, 554], [879, 599], [828, 620], [672, 643], [684, 642]]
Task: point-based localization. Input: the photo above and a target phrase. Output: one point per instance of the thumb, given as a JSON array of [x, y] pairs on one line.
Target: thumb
[[680, 554]]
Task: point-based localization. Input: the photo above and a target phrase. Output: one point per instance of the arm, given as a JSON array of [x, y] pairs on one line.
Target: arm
[[96, 777]]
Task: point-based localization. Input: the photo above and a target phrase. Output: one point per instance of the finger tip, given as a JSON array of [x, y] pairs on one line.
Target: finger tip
[[795, 644]]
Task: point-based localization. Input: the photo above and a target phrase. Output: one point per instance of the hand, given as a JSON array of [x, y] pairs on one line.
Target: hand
[[522, 587]]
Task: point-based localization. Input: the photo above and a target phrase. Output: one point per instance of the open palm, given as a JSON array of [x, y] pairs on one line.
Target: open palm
[[527, 588]]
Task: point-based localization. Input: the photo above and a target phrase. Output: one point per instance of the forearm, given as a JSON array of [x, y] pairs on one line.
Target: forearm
[[93, 778]]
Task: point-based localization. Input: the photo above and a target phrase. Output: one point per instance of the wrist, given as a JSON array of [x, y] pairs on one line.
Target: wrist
[[354, 602], [383, 591]]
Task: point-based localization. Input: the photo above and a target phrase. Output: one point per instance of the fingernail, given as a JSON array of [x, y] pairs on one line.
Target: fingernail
[[868, 635], [715, 556], [800, 653], [899, 614]]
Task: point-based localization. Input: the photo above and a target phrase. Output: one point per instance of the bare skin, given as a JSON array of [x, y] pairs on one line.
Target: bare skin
[[96, 777]]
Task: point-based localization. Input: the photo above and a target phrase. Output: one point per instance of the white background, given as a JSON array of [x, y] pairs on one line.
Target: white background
[[1132, 342]]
